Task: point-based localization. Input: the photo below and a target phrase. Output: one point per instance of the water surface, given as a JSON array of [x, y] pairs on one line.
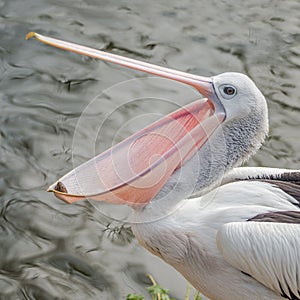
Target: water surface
[[50, 250]]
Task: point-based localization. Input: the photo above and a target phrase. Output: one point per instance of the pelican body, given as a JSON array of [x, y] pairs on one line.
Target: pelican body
[[233, 232], [240, 241]]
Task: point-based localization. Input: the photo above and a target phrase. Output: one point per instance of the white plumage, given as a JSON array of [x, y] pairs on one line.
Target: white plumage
[[209, 241], [268, 252]]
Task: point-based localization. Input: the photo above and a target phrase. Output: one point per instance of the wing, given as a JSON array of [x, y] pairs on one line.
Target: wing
[[262, 173], [269, 252]]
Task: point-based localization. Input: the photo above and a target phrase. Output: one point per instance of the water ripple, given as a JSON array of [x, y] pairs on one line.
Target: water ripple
[[50, 250]]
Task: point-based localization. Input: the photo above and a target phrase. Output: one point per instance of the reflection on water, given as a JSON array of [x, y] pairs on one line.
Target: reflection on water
[[50, 250]]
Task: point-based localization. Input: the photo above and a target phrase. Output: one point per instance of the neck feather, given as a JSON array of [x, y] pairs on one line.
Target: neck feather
[[229, 146]]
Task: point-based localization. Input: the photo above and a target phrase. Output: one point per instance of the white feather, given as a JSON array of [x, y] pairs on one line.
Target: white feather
[[269, 252], [186, 237]]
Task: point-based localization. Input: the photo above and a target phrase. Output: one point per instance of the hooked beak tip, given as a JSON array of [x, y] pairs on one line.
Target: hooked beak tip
[[58, 187], [30, 35], [59, 190]]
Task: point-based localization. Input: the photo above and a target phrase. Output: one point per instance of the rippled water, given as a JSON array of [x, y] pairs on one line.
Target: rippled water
[[51, 250]]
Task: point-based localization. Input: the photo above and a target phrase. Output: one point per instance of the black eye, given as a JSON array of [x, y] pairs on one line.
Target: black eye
[[229, 90]]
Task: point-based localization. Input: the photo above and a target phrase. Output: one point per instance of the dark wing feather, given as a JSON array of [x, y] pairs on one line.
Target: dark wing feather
[[289, 187], [292, 217]]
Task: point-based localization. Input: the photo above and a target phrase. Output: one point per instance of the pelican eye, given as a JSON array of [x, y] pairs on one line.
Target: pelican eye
[[227, 91]]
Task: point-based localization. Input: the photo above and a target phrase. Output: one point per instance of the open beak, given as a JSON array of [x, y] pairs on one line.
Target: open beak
[[133, 171]]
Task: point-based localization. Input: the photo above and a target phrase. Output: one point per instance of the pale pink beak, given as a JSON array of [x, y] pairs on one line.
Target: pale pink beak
[[135, 170]]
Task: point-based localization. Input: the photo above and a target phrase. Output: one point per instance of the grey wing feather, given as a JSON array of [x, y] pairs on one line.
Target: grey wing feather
[[292, 217]]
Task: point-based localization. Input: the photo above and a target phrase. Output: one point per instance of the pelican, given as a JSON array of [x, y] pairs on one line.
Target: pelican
[[233, 232]]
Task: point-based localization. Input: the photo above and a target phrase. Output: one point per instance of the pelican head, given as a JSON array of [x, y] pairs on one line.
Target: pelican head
[[239, 136], [246, 124], [228, 125], [239, 96]]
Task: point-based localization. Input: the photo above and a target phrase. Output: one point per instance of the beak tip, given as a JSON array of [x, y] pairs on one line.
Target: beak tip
[[30, 35], [57, 187], [59, 194]]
